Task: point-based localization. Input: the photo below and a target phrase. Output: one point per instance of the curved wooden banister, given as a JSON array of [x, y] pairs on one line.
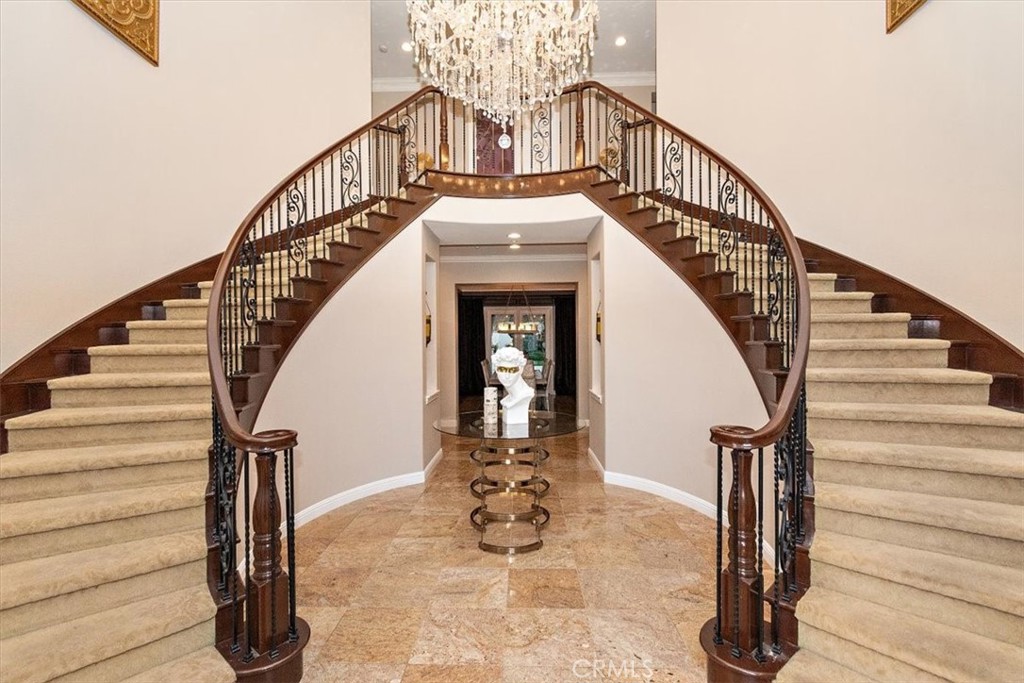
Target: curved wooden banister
[[235, 433], [745, 438]]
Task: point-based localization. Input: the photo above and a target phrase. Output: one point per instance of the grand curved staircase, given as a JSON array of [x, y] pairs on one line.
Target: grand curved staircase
[[899, 544]]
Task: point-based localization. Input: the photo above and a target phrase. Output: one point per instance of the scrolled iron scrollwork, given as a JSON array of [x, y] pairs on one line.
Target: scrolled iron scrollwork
[[777, 264], [296, 228], [727, 237], [785, 543], [612, 152], [248, 261], [672, 162], [351, 174], [226, 485], [540, 122], [409, 151]]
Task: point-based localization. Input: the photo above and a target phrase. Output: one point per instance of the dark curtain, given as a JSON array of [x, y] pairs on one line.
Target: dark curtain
[[471, 345], [565, 345]]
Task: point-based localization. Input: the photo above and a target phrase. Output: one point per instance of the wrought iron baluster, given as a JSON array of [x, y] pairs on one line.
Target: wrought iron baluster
[[700, 195], [718, 554], [275, 554], [776, 644], [289, 488], [249, 624], [759, 654], [734, 537]]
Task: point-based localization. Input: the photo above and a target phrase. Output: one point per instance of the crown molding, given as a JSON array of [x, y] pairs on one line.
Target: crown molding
[[514, 259], [613, 79], [408, 84]]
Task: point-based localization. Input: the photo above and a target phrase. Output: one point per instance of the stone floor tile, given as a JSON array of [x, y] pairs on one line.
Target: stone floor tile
[[373, 635], [555, 588]]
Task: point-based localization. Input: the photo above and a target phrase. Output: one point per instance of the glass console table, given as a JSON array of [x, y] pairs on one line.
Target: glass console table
[[511, 483]]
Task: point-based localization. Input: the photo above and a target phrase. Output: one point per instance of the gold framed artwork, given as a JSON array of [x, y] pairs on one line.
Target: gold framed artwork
[[897, 11], [135, 22]]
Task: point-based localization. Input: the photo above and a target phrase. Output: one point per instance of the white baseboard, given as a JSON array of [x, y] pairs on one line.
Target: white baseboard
[[433, 463], [596, 463], [676, 496], [359, 492]]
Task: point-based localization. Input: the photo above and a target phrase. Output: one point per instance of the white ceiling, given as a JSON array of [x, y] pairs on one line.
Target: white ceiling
[[556, 232], [632, 64]]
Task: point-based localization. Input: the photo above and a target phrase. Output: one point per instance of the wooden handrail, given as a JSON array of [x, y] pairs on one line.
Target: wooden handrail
[[235, 433], [730, 436], [723, 435]]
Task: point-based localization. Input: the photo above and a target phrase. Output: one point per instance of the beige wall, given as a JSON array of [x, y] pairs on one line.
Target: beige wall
[[382, 101], [671, 372], [905, 151], [114, 173], [431, 263], [351, 385], [595, 380]]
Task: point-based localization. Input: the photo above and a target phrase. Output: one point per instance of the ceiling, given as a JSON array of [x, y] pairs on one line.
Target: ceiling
[[573, 231], [632, 64]]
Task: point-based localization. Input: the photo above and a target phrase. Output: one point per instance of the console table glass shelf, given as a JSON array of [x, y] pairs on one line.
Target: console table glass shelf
[[511, 483]]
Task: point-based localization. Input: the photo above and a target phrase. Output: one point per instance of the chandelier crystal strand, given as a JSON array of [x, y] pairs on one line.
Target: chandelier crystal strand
[[503, 56]]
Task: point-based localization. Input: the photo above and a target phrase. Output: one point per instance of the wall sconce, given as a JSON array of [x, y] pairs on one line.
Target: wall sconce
[[427, 330], [597, 323]]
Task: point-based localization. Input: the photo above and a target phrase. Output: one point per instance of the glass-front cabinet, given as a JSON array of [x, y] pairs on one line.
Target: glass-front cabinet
[[531, 330]]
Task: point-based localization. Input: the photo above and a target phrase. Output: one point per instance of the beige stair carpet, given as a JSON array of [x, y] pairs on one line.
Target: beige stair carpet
[[102, 510], [917, 565], [102, 517]]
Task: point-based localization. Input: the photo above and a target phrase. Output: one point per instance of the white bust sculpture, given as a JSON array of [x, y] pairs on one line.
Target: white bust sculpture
[[508, 365]]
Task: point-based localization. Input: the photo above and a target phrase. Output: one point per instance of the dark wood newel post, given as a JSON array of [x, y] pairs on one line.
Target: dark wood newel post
[[267, 613], [444, 151], [580, 144], [740, 607]]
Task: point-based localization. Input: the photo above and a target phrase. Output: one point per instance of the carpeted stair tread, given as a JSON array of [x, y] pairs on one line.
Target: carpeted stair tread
[[841, 296], [1000, 520], [1000, 588], [877, 344], [203, 666], [941, 650], [809, 667], [185, 303], [822, 276], [39, 579], [982, 415], [982, 461], [118, 380], [66, 647], [36, 516], [859, 317], [105, 415], [166, 324], [149, 350], [898, 375], [58, 460]]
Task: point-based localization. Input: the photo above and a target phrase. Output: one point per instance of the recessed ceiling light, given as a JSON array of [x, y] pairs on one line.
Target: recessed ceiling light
[[514, 235], [514, 245], [619, 42], [406, 47]]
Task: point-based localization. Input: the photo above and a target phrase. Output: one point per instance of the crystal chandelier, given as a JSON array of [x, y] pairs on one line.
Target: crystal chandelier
[[503, 56]]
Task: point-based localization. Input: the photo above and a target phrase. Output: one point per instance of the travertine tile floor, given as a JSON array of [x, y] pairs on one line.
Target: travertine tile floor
[[395, 588]]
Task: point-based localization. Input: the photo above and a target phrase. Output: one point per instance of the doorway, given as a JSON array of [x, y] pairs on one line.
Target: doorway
[[485, 319]]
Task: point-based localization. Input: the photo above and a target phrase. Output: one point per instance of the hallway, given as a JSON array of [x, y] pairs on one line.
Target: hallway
[[395, 588]]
